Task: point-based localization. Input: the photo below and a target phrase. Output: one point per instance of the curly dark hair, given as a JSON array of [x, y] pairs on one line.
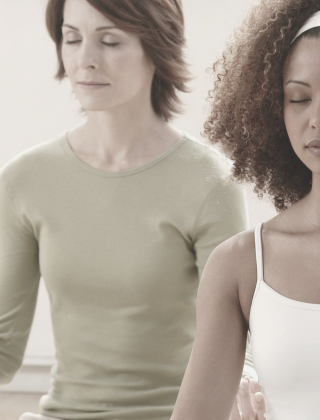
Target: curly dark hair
[[246, 116]]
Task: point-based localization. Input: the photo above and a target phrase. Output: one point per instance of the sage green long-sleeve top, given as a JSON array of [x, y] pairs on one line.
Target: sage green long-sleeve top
[[120, 254]]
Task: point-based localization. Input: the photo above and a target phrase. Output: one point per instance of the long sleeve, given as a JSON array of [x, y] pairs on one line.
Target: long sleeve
[[19, 281], [223, 215], [119, 255]]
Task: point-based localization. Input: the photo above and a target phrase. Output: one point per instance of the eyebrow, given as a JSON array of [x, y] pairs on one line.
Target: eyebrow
[[299, 82], [100, 28]]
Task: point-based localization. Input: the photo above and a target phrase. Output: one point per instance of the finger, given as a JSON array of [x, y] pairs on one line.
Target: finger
[[254, 385], [235, 415], [259, 406], [245, 399]]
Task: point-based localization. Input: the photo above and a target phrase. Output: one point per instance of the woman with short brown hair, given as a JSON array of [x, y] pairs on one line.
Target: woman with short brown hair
[[118, 215]]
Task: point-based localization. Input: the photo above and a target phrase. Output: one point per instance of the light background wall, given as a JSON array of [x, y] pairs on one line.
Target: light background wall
[[34, 107]]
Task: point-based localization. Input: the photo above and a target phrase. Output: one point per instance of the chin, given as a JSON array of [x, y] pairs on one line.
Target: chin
[[314, 166], [94, 107], [316, 171]]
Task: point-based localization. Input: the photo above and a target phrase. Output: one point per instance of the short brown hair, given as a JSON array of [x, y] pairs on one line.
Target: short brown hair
[[247, 101], [160, 25]]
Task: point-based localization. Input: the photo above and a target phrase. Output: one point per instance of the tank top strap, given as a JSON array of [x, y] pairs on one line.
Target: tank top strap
[[259, 257]]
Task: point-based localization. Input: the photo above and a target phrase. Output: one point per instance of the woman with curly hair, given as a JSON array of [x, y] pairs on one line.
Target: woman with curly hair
[[265, 114]]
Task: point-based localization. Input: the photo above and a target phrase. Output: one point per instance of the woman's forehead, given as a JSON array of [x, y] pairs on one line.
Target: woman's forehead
[[304, 59], [81, 13]]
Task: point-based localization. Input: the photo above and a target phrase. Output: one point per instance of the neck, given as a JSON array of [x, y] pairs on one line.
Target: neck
[[118, 132], [123, 138]]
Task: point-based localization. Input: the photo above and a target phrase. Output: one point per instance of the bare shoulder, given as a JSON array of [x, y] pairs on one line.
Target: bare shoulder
[[235, 255], [232, 268]]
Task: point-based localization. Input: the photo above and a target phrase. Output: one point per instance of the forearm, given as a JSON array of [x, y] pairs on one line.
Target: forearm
[[19, 281], [10, 362]]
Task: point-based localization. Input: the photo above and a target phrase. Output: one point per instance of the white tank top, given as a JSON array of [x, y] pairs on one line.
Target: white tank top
[[285, 344]]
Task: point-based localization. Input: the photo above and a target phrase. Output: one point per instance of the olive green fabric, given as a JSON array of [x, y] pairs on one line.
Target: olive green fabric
[[120, 255]]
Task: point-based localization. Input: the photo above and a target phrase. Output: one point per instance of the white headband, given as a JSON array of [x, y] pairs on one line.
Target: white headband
[[312, 22]]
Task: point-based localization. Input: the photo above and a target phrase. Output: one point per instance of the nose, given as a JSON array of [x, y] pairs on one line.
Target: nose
[[314, 121], [88, 56]]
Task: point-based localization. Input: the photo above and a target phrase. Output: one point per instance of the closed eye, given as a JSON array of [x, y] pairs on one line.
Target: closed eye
[[299, 102], [110, 44], [72, 42]]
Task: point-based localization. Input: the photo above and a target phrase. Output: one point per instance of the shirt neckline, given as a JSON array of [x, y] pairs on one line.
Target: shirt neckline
[[273, 292], [289, 301], [67, 148]]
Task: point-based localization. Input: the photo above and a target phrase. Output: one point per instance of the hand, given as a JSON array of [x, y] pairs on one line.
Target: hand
[[249, 403]]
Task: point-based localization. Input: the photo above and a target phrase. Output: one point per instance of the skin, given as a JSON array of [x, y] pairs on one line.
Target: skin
[[122, 131], [249, 403], [225, 295]]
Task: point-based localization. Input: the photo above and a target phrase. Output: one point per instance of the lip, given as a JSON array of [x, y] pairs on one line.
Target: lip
[[84, 82], [314, 147], [314, 143], [92, 85]]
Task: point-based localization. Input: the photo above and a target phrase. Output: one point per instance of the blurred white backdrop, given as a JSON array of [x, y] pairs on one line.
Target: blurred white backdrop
[[34, 107]]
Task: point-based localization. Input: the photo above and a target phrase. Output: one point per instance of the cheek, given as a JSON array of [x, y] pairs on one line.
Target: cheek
[[67, 61], [288, 119], [293, 123], [136, 66], [64, 59], [293, 128]]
